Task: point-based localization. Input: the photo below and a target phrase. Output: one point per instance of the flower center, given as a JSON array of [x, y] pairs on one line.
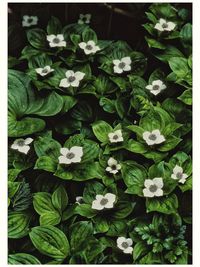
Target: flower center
[[165, 25], [89, 47], [45, 71], [153, 188], [152, 137], [179, 175], [20, 143], [156, 87], [113, 167], [71, 79], [125, 245], [70, 155], [30, 20], [104, 201], [115, 137], [121, 65], [56, 40]]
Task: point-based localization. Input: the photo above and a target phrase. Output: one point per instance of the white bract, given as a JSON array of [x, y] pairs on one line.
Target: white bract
[[29, 21], [72, 155], [179, 175], [164, 25], [72, 79], [113, 166], [44, 71], [153, 138], [84, 18], [153, 187], [116, 136], [56, 40], [79, 200], [156, 87], [22, 145], [104, 202], [125, 244], [89, 48], [121, 65]]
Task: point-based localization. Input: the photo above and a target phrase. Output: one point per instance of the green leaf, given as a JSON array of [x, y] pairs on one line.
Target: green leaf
[[170, 143], [91, 190], [135, 146], [18, 224], [46, 146], [167, 204], [89, 35], [186, 34], [82, 111], [117, 228], [186, 97], [179, 66], [37, 38], [22, 258], [50, 218], [46, 163], [152, 43], [85, 210], [60, 198], [80, 234], [139, 250], [123, 209], [42, 202], [101, 130], [50, 241], [107, 104], [54, 26]]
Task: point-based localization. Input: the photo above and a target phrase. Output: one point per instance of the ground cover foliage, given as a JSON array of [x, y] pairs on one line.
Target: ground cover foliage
[[100, 143]]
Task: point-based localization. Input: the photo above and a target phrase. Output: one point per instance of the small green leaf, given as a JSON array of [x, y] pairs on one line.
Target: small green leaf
[[101, 130], [60, 198], [167, 204]]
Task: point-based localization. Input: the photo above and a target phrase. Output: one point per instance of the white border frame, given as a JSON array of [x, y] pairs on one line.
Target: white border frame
[[3, 123]]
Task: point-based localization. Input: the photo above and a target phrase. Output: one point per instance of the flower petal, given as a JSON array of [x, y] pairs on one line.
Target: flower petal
[[128, 250], [50, 37], [127, 68], [156, 132], [64, 160], [160, 139], [60, 37], [173, 176], [64, 151], [171, 26], [61, 44], [158, 181], [117, 69], [145, 135], [157, 82], [155, 92], [148, 183], [149, 87], [76, 159], [28, 140], [109, 205], [77, 150], [118, 132], [79, 75], [158, 193], [112, 161], [147, 193], [159, 27], [116, 62], [75, 83], [99, 197], [111, 197], [82, 45], [108, 169], [120, 240], [24, 149], [91, 42], [96, 205], [129, 241], [177, 169], [64, 83], [126, 60]]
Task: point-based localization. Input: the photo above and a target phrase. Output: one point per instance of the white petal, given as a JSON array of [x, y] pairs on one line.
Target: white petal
[[69, 73], [118, 166], [162, 21], [60, 37], [109, 169], [95, 49], [82, 45], [158, 182], [149, 87], [177, 169], [129, 241], [76, 159], [171, 26], [146, 135], [114, 171], [109, 205], [75, 83], [111, 197], [173, 176], [77, 150], [147, 193], [117, 69], [26, 17], [62, 44], [157, 82], [14, 146], [163, 86], [160, 139], [64, 83], [25, 24], [155, 92], [24, 149], [99, 197], [28, 140], [79, 75], [156, 132], [184, 176], [126, 60], [64, 160], [112, 161], [158, 193], [159, 27], [87, 52], [127, 68], [64, 151], [39, 70], [50, 37], [110, 135], [182, 180], [150, 142], [116, 62], [80, 21], [96, 205], [128, 250], [148, 183], [120, 240], [91, 42], [118, 132]]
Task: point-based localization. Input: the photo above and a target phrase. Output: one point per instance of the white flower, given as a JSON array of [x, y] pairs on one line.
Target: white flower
[[113, 166], [179, 174], [164, 25], [116, 136], [22, 145], [72, 79], [125, 244], [104, 202], [153, 138], [44, 71], [153, 187], [122, 65], [156, 87], [84, 18], [79, 200], [56, 40], [72, 155], [89, 48], [29, 21]]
